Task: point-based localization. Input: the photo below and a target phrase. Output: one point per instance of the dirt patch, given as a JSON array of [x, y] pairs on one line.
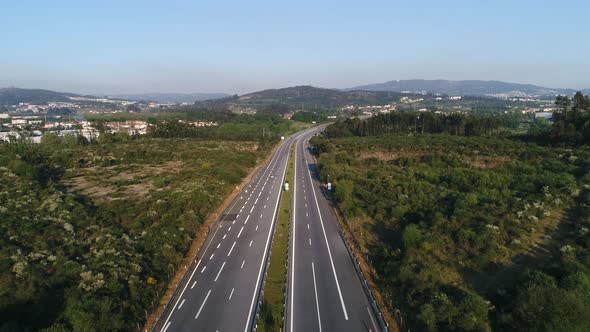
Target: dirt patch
[[133, 181], [487, 161], [388, 156]]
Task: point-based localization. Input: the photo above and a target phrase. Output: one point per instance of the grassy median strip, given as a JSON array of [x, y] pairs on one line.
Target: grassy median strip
[[271, 311]]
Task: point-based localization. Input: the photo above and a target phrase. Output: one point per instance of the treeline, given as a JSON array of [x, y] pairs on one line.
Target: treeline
[[309, 116], [427, 122], [259, 127], [571, 120]]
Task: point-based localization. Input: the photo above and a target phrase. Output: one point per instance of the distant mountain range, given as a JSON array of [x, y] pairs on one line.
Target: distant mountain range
[[171, 98], [13, 96], [308, 97], [466, 88], [311, 97]]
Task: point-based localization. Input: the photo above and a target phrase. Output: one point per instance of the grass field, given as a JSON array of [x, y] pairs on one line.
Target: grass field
[[271, 313]]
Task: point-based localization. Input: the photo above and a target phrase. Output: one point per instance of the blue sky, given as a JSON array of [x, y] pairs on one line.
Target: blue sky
[[106, 47]]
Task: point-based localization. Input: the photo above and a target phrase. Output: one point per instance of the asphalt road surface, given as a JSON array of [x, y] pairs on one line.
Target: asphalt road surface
[[224, 280], [325, 292]]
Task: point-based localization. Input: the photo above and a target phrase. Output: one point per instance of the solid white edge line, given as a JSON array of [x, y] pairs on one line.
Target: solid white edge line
[[293, 250], [317, 302], [266, 247], [327, 244]]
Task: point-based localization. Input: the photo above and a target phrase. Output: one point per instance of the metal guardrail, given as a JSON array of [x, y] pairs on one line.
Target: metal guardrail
[[366, 288]]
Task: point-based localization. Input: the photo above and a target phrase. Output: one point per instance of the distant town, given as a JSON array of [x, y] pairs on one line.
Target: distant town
[[32, 121]]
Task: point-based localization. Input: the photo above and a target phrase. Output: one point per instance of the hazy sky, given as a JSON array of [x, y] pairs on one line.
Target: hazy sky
[[125, 46]]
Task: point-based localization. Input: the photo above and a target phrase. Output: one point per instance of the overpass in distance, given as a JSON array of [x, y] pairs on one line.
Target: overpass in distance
[[222, 285]]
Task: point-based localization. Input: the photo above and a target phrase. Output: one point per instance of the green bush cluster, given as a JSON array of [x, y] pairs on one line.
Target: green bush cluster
[[444, 210]]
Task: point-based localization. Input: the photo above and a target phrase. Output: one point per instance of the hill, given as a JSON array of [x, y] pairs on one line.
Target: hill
[[464, 88], [171, 98], [310, 97], [13, 96]]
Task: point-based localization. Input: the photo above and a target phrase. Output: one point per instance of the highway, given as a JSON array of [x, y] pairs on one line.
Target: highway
[[224, 280], [324, 290]]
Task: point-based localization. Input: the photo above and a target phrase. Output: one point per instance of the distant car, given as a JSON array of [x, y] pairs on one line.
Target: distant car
[[272, 176]]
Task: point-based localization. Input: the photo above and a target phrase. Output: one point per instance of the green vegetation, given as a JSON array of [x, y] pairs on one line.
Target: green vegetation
[[428, 122], [271, 312], [90, 234], [309, 116], [467, 232]]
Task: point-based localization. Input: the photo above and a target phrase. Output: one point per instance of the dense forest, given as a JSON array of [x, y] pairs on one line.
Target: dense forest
[[468, 230], [92, 232], [425, 123]]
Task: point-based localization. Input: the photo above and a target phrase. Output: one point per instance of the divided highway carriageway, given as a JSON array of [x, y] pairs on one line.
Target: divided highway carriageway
[[222, 286]]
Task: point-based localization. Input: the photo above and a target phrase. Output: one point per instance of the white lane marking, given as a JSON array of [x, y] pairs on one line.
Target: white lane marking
[[261, 216], [181, 303], [317, 303], [305, 204], [241, 267], [260, 193], [252, 209], [167, 326], [203, 304], [307, 226], [241, 209], [218, 246], [327, 245], [245, 222], [230, 294], [194, 284], [240, 233], [218, 273], [306, 214], [210, 258], [256, 201], [204, 267], [372, 320], [232, 248], [267, 198], [233, 222], [309, 241], [229, 229], [224, 235], [250, 243], [292, 295], [265, 249], [264, 206], [256, 227]]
